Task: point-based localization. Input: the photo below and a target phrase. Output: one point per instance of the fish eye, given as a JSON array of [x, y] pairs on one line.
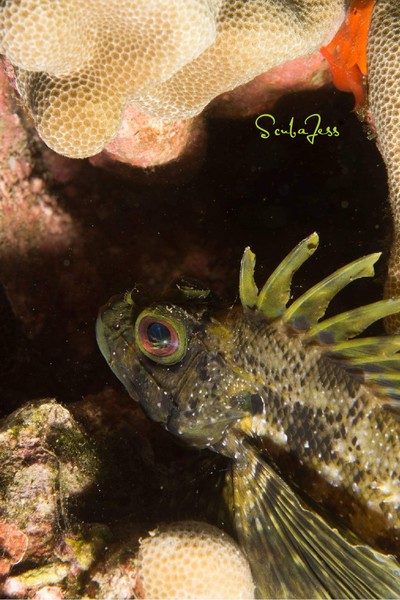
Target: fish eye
[[160, 335], [160, 339]]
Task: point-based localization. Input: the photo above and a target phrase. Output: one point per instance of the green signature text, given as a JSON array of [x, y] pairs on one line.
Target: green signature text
[[310, 128]]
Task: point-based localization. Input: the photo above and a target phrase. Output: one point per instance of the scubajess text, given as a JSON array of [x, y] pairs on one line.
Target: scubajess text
[[310, 128]]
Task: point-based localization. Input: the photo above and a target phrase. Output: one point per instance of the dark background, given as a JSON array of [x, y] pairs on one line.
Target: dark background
[[150, 228]]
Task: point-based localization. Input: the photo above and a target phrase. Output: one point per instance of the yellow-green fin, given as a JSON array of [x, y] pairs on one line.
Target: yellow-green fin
[[378, 364], [352, 322], [385, 383], [248, 290], [275, 293], [307, 310], [383, 372], [293, 551], [371, 346], [370, 357], [377, 359]]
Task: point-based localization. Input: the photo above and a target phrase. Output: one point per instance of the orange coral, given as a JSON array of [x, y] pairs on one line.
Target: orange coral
[[347, 52]]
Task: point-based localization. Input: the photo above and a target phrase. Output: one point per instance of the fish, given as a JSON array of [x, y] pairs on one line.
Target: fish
[[305, 410]]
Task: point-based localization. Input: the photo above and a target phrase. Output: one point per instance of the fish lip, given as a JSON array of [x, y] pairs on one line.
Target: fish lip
[[107, 329], [101, 338]]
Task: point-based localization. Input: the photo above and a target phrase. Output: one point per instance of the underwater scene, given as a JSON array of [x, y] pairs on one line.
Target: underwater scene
[[199, 299]]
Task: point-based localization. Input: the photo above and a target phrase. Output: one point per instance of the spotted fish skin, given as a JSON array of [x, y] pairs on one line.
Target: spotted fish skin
[[322, 425], [294, 402]]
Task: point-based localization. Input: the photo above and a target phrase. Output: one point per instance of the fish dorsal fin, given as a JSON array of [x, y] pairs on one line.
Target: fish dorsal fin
[[369, 356], [293, 551], [384, 375], [248, 290], [275, 293], [375, 358], [379, 360], [381, 371], [310, 307], [375, 347], [307, 310], [348, 324]]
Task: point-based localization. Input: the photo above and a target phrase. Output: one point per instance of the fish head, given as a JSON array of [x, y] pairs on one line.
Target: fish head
[[174, 357]]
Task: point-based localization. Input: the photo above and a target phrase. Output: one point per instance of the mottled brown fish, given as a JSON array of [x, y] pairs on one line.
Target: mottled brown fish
[[308, 416]]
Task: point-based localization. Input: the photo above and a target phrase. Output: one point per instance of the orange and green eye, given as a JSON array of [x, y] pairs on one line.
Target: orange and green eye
[[160, 338]]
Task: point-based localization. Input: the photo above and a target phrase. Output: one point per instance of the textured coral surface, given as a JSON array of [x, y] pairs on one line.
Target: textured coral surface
[[384, 97], [191, 560], [78, 63]]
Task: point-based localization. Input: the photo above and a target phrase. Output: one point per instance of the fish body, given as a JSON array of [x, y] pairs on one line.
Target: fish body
[[307, 417], [325, 426]]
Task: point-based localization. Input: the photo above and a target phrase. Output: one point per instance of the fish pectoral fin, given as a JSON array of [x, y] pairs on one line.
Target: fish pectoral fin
[[293, 551]]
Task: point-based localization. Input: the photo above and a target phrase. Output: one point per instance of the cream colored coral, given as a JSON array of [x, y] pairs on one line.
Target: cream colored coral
[[252, 37], [79, 62], [46, 36], [192, 560], [384, 100]]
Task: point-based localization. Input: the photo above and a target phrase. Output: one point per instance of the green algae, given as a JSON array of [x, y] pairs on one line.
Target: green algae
[[89, 544], [46, 575]]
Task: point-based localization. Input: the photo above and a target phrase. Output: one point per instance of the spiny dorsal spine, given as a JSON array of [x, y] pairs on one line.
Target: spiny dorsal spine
[[375, 357]]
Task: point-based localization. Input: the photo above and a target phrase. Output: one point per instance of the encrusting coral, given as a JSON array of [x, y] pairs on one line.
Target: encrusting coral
[[47, 463], [50, 461], [384, 94], [192, 560], [186, 559], [77, 64]]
